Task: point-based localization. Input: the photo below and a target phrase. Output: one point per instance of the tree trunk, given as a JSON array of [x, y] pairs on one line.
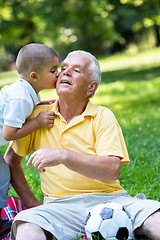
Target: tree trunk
[[157, 31]]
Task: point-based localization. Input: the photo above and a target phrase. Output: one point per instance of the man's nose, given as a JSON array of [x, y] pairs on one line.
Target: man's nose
[[67, 71]]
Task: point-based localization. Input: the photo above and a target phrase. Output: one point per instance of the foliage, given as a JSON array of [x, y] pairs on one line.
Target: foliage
[[130, 88], [101, 27]]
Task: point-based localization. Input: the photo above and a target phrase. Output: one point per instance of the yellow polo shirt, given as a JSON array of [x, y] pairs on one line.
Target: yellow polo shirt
[[94, 132]]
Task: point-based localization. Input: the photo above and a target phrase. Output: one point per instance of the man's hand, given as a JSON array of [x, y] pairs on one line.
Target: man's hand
[[45, 119], [96, 167], [45, 158]]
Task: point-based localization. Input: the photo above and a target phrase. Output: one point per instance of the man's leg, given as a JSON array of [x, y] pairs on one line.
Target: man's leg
[[150, 227], [31, 231]]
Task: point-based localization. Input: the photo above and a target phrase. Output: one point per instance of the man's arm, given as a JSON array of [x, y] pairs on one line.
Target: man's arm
[[18, 179], [43, 120], [95, 167]]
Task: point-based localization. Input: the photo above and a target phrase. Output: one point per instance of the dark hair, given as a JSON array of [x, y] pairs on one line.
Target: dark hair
[[33, 56]]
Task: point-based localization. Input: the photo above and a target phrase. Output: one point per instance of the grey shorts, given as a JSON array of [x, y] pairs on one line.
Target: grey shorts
[[65, 217], [4, 181]]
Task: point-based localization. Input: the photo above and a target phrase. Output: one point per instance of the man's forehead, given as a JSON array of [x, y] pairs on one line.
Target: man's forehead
[[76, 59]]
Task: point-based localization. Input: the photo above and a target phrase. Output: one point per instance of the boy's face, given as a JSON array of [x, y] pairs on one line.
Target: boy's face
[[47, 76]]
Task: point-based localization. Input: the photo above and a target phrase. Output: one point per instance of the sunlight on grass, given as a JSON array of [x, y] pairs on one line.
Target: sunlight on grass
[[8, 77], [119, 94], [121, 61]]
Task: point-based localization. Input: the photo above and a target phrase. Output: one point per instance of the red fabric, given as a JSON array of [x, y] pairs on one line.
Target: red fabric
[[14, 207]]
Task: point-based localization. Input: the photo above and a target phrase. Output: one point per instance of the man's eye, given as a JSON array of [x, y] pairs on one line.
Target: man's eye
[[53, 71], [63, 68], [77, 70]]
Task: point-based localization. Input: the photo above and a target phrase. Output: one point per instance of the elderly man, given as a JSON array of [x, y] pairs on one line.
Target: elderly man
[[79, 162]]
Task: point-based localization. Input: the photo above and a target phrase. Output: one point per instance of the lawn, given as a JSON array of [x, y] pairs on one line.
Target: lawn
[[130, 88]]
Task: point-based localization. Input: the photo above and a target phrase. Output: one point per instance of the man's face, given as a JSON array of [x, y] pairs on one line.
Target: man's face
[[74, 77]]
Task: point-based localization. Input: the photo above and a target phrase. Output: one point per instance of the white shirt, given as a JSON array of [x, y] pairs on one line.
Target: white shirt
[[17, 101]]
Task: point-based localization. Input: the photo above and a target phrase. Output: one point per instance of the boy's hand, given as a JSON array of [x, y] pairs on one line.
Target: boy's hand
[[45, 119], [46, 102]]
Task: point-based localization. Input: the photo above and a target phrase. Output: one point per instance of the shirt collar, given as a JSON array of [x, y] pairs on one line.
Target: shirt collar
[[35, 97], [91, 109]]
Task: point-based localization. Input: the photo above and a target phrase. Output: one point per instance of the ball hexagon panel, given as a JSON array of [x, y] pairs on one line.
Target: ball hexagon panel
[[108, 221]]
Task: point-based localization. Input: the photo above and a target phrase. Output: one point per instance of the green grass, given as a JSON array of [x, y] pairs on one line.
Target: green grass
[[130, 88], [7, 77]]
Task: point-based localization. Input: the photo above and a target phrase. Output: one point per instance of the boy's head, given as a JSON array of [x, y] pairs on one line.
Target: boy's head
[[33, 59]]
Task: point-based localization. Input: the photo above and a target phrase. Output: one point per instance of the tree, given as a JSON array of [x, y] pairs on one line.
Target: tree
[[98, 26], [79, 24], [149, 15], [65, 25], [17, 24]]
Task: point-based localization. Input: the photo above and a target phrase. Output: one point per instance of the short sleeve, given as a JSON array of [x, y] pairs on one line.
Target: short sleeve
[[109, 137], [23, 146], [16, 112]]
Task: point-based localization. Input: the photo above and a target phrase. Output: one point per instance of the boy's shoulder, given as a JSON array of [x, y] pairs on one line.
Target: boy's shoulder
[[18, 90], [15, 89]]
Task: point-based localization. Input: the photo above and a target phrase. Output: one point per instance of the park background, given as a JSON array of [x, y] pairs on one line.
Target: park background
[[125, 37]]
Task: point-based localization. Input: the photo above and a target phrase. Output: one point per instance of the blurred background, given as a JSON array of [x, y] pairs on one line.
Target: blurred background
[[102, 27]]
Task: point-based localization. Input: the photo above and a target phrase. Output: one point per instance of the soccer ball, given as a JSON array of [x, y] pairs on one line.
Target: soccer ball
[[108, 221]]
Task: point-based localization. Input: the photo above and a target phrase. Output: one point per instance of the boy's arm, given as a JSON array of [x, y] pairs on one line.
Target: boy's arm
[[18, 179], [43, 120]]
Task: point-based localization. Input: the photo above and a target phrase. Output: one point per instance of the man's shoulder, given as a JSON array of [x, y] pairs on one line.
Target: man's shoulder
[[104, 112], [40, 108]]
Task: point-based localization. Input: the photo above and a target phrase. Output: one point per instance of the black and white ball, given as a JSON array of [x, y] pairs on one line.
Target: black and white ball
[[108, 221]]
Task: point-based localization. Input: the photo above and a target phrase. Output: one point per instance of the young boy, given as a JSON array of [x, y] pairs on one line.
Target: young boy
[[37, 65]]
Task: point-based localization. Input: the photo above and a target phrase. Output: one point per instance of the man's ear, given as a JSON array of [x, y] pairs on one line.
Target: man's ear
[[92, 87], [33, 76]]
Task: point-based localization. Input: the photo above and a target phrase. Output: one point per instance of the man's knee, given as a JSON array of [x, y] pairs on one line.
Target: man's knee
[[150, 227], [25, 231]]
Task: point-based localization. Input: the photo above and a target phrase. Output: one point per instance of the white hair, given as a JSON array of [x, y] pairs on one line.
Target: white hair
[[94, 67]]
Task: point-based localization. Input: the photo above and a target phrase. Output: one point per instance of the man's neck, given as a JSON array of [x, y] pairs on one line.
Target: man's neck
[[70, 110]]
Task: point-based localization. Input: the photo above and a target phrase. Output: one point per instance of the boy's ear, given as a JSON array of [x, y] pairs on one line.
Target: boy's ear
[[92, 87], [33, 76]]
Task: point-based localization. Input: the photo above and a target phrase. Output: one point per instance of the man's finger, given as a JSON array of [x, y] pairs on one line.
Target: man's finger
[[31, 159], [40, 168]]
